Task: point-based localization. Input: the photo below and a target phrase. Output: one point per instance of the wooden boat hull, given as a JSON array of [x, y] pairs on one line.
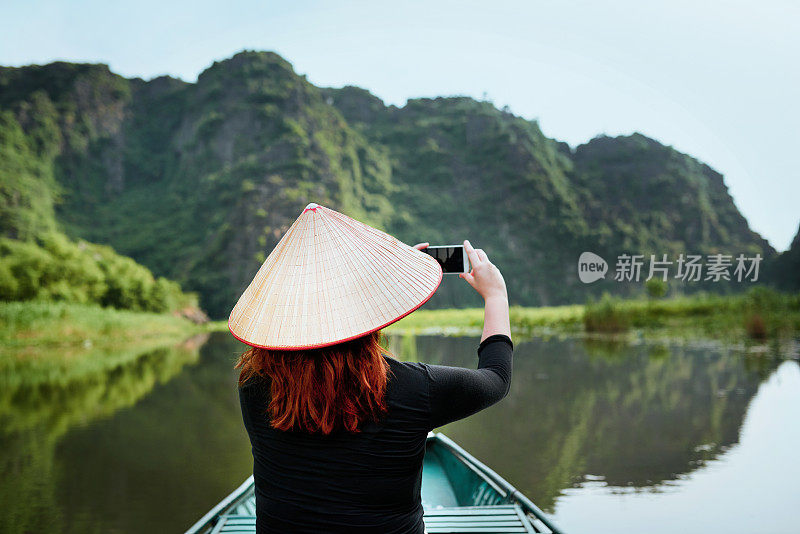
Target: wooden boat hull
[[459, 495]]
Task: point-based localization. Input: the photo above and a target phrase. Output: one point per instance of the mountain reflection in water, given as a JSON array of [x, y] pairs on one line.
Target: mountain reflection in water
[[153, 444]]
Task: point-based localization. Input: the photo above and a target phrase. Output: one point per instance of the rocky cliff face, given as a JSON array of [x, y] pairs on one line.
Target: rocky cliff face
[[783, 271], [535, 203], [646, 194], [199, 181]]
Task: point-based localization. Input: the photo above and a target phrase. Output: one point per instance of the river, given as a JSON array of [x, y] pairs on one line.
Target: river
[[605, 437]]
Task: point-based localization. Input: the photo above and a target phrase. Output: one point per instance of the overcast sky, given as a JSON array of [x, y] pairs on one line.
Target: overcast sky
[[717, 79]]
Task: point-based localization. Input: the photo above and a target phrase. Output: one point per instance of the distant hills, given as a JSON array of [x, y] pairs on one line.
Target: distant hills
[[198, 181]]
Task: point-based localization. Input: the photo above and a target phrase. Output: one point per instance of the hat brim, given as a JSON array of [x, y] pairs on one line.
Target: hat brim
[[331, 279], [328, 344]]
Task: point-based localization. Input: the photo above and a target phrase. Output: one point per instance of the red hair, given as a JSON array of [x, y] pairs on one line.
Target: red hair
[[325, 389]]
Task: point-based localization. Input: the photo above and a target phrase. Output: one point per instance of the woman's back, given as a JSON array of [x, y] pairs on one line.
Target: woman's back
[[367, 481], [337, 427]]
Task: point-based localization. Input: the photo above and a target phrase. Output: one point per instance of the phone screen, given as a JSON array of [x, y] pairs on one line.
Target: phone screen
[[451, 258]]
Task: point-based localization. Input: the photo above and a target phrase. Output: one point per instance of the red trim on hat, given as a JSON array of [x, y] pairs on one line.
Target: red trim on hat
[[320, 345], [310, 209]]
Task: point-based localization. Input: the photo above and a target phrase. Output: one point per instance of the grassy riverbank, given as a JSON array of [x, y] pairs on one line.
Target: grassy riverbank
[[565, 318], [758, 315], [63, 344], [32, 326]]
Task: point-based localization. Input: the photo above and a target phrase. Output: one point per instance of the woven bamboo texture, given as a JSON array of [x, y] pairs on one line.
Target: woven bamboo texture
[[329, 279]]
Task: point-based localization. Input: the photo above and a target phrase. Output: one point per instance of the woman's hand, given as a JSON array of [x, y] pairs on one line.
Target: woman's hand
[[485, 277], [420, 246], [487, 280]]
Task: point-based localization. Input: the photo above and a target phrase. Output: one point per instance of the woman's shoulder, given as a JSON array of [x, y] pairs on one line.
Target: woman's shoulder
[[408, 370]]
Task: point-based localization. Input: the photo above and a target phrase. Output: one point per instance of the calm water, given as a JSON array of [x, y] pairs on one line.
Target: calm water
[[606, 438]]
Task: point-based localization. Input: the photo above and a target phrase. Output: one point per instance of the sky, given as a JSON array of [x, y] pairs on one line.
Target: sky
[[717, 79]]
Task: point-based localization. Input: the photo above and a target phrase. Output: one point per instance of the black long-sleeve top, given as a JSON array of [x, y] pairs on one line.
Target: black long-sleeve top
[[367, 482]]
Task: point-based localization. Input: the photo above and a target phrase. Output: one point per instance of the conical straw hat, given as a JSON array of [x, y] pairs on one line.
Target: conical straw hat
[[330, 279]]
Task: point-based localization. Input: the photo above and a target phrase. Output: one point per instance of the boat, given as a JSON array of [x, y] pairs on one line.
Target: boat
[[459, 495]]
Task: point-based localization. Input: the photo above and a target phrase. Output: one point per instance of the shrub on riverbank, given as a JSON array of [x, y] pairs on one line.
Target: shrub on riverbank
[[54, 268], [605, 316]]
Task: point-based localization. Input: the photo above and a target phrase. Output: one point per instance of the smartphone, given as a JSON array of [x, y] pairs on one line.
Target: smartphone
[[452, 258]]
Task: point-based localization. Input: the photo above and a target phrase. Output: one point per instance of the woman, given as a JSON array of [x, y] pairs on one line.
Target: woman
[[337, 426]]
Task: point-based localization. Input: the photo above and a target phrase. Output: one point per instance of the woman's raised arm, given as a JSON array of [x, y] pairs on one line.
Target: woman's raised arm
[[456, 392]]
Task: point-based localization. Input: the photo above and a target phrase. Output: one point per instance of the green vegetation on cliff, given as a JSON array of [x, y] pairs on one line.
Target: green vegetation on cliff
[[42, 132], [198, 181]]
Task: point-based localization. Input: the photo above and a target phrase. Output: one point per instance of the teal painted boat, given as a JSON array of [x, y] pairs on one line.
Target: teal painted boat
[[459, 495]]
